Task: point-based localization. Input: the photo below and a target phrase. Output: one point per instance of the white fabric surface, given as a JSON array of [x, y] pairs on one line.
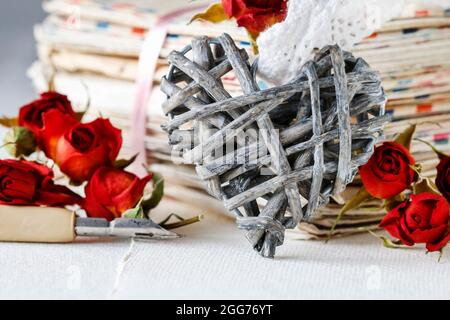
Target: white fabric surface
[[310, 24], [215, 261]]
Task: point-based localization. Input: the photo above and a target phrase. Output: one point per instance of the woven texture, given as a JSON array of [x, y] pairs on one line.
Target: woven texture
[[303, 141]]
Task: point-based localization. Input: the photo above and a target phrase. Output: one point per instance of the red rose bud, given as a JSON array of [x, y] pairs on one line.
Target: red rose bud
[[86, 147], [111, 192], [48, 118], [31, 116], [256, 15], [56, 125], [423, 219], [29, 183], [388, 171], [443, 177]]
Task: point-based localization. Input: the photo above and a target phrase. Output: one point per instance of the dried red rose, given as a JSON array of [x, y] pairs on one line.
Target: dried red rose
[[111, 192], [86, 147], [29, 183], [389, 171], [32, 116], [256, 15], [443, 177], [422, 219], [56, 125]]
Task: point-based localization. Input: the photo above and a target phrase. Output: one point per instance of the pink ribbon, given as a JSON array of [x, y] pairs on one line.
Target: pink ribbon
[[148, 60]]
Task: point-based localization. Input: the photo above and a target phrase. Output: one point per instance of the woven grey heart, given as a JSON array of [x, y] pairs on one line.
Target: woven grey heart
[[273, 156]]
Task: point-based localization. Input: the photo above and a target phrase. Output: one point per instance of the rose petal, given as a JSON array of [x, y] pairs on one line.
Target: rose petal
[[404, 234], [31, 115], [419, 213], [97, 198], [391, 223], [111, 192], [80, 167], [129, 197], [438, 245], [29, 183], [443, 177], [56, 124], [80, 163], [441, 213], [431, 235], [384, 185]]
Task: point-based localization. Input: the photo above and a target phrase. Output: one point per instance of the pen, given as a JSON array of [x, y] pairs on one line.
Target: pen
[[57, 225]]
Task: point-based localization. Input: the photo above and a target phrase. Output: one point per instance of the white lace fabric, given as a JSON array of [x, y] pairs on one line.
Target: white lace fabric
[[311, 24]]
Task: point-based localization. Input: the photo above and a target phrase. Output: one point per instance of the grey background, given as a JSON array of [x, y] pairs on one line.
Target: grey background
[[17, 52]]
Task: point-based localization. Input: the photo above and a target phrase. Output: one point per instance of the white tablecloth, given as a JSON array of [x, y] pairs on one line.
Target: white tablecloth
[[214, 260]]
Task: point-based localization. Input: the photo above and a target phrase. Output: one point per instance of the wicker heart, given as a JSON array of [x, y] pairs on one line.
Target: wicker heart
[[272, 156]]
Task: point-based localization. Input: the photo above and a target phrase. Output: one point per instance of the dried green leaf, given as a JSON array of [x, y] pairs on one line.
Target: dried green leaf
[[157, 194], [79, 115], [253, 37], [393, 202], [439, 153], [417, 168], [441, 254], [215, 13], [406, 136], [425, 185], [180, 223], [9, 122], [391, 244], [135, 213], [123, 163], [359, 198], [51, 80], [19, 142]]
